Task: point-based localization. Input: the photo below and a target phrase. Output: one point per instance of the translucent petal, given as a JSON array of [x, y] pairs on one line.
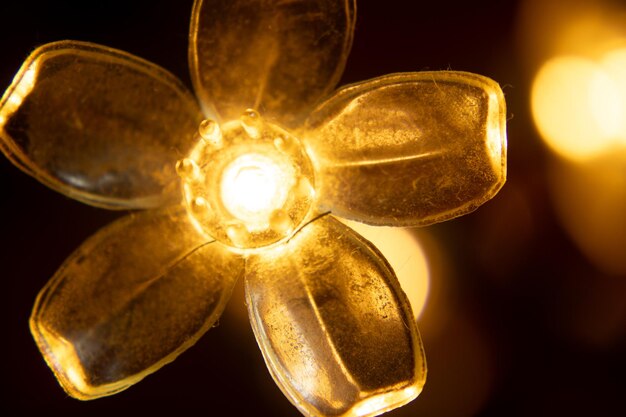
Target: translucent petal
[[410, 149], [99, 125], [334, 326], [129, 300], [279, 57]]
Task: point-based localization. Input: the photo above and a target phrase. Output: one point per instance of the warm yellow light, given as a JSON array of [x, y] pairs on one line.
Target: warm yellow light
[[579, 105], [247, 183], [561, 105], [614, 63], [254, 186], [14, 98], [334, 326], [384, 402], [63, 356]]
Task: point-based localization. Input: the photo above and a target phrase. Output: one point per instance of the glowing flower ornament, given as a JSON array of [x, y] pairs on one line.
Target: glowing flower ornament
[[114, 131]]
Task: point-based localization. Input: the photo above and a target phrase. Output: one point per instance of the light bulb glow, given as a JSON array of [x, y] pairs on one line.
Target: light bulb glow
[[253, 186]]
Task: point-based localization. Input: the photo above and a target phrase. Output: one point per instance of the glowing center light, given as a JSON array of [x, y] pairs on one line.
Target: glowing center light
[[253, 186], [247, 183]]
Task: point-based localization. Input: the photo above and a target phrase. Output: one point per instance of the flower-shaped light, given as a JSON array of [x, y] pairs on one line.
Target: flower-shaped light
[[114, 131]]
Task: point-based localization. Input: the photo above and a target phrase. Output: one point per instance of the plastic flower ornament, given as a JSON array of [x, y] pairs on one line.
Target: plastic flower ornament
[[115, 131]]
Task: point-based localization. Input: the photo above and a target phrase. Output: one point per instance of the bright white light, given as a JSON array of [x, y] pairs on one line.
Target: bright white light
[[253, 186]]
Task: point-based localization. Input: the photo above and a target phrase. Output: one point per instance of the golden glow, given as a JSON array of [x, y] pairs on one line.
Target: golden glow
[[66, 362], [383, 402], [25, 86], [579, 105], [210, 131], [67, 366], [496, 130], [405, 255], [247, 183], [24, 83], [614, 63], [254, 186]]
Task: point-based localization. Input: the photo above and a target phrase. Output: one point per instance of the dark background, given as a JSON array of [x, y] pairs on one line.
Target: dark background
[[519, 323]]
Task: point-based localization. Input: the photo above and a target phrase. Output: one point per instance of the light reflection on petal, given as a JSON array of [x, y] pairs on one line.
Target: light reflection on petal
[[27, 78], [406, 256]]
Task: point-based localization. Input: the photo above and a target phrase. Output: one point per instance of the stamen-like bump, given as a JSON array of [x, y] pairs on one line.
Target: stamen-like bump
[[279, 143], [255, 189], [304, 189], [251, 122], [199, 204], [210, 132], [285, 145], [238, 234], [187, 168], [280, 221]]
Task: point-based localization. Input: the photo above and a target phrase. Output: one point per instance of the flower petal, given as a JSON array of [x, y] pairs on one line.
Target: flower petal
[[129, 300], [98, 125], [410, 149], [279, 57], [334, 326]]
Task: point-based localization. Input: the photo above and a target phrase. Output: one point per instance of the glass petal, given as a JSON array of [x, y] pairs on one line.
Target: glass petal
[[98, 124], [336, 330], [131, 299], [409, 149], [279, 57]]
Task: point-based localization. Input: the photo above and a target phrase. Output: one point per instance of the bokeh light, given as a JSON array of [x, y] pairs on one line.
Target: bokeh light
[[579, 105]]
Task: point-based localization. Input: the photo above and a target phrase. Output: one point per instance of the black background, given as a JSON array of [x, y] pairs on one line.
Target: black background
[[516, 322]]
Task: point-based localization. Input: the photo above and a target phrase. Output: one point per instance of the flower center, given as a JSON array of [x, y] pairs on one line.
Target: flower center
[[254, 186], [248, 183]]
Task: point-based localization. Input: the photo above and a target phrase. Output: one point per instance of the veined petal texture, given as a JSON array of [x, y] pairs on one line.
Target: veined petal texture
[[99, 125], [336, 330], [409, 149], [277, 56], [131, 299]]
